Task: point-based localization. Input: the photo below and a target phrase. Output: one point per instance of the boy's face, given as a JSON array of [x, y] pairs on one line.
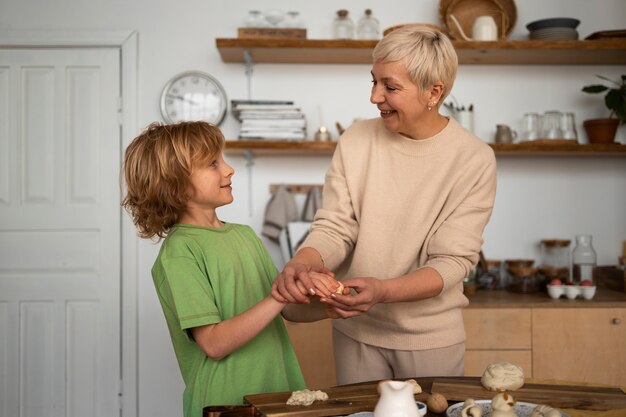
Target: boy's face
[[210, 186]]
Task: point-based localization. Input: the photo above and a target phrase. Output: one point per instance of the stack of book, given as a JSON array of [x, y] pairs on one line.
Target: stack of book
[[269, 119]]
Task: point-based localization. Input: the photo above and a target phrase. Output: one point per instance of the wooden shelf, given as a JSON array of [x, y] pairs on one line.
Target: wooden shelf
[[516, 52], [310, 148]]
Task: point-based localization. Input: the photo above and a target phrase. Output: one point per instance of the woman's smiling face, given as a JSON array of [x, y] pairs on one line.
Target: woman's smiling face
[[399, 100]]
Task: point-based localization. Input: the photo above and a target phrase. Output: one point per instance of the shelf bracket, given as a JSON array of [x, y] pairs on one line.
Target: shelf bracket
[[249, 63], [249, 164]]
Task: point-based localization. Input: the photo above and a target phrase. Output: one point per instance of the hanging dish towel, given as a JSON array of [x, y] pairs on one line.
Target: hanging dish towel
[[280, 210], [312, 203]]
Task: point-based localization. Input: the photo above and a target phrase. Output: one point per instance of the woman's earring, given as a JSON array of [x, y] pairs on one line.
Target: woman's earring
[[429, 106]]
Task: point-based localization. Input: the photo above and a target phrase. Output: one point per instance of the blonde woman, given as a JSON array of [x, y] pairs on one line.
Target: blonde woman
[[405, 203]]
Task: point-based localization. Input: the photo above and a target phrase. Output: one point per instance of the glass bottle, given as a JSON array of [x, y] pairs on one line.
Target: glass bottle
[[343, 27], [368, 26], [583, 259], [254, 19], [292, 20]]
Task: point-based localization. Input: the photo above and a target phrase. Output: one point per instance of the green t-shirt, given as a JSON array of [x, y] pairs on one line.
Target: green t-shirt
[[204, 275]]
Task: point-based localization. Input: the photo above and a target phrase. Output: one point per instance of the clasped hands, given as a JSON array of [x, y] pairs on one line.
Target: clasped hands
[[349, 298]]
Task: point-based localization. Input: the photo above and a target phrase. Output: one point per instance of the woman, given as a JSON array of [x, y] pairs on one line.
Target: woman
[[405, 203]]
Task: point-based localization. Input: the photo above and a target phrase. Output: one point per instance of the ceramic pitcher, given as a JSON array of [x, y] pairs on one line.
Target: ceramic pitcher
[[396, 400]]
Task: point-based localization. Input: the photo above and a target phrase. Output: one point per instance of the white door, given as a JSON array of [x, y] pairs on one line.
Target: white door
[[59, 232]]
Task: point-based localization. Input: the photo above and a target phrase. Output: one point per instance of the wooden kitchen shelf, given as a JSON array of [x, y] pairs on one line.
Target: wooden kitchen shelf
[[310, 148], [513, 52]]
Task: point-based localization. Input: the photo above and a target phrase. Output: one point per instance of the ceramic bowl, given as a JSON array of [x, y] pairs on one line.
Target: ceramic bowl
[[571, 291], [421, 407], [555, 291], [588, 292], [557, 22]]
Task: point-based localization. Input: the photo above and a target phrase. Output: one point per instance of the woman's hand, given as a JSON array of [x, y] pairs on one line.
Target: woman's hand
[[366, 293], [322, 284]]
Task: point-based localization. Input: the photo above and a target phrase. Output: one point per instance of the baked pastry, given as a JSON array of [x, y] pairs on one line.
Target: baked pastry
[[306, 397], [502, 405], [471, 409], [545, 411], [503, 376], [416, 387]]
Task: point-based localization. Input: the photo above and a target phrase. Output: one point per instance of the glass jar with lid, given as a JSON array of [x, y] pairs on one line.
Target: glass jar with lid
[[343, 27], [555, 259], [368, 26]]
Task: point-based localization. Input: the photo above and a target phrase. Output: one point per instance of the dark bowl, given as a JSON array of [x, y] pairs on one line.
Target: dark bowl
[[556, 22]]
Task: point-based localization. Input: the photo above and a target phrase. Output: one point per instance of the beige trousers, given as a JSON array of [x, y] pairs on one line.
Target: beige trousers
[[358, 362]]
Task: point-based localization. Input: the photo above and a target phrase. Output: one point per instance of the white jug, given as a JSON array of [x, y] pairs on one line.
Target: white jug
[[484, 29], [396, 399]]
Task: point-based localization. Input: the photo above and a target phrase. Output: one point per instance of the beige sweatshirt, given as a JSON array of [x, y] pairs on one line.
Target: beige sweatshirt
[[392, 205]]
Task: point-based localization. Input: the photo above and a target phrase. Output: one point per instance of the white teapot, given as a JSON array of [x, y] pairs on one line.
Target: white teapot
[[484, 29], [396, 399]]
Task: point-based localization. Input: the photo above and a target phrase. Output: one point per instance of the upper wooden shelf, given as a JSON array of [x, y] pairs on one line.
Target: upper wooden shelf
[[518, 52], [311, 148]]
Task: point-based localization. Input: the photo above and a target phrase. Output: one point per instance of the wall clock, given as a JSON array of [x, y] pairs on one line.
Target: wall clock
[[193, 95]]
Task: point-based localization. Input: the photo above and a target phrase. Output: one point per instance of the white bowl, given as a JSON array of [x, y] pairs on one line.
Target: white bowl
[[421, 407], [588, 292], [555, 291], [572, 291]]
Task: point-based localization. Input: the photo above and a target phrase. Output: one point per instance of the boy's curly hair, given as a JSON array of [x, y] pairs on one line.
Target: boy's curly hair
[[157, 167]]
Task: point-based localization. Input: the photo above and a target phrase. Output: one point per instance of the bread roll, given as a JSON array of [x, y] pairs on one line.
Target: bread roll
[[503, 376]]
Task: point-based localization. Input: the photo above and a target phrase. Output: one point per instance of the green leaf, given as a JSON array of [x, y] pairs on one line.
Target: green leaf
[[613, 99], [596, 88]]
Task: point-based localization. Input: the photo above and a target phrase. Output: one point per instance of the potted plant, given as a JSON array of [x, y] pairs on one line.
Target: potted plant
[[603, 130]]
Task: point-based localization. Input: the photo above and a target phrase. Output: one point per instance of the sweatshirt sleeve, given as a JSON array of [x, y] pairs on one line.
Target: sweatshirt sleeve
[[454, 248], [335, 228]]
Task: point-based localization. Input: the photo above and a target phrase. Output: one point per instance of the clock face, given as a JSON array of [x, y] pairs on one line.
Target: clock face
[[192, 96]]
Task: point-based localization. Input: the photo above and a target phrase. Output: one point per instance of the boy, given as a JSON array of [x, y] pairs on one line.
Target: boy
[[213, 278]]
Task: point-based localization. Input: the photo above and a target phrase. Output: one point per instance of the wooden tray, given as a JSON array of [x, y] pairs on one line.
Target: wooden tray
[[558, 396]]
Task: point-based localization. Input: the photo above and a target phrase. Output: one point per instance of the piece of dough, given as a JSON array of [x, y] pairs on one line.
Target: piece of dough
[[329, 310], [306, 397], [416, 387], [545, 411], [503, 376]]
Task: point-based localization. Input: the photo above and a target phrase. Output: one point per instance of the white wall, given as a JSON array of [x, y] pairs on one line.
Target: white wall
[[538, 197]]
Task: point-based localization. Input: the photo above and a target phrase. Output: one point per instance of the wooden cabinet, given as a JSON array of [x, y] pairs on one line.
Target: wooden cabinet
[[497, 335], [313, 344], [587, 345]]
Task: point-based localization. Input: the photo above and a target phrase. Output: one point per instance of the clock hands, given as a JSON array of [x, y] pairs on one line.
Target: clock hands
[[188, 100]]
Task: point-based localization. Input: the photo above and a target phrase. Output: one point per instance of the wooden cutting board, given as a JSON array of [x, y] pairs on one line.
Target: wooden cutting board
[[559, 396], [342, 401]]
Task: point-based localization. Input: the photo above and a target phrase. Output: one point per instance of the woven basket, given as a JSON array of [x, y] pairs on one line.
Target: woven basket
[[503, 12]]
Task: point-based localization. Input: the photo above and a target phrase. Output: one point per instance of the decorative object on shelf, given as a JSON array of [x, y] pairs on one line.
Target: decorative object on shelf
[[343, 27], [193, 95], [559, 28], [269, 119], [504, 13], [322, 134], [504, 134], [568, 126], [368, 26], [483, 29], [273, 23], [603, 130], [464, 116], [607, 34]]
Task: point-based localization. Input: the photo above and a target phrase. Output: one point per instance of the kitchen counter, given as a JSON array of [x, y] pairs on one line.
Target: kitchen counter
[[604, 298]]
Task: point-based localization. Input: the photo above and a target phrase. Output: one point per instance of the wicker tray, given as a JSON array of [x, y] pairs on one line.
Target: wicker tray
[[504, 13]]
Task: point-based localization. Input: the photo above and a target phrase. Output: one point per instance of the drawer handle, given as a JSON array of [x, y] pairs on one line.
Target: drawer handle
[[616, 321]]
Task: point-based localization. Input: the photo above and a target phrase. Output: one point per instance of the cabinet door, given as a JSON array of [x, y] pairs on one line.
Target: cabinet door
[[497, 335], [584, 345], [313, 343]]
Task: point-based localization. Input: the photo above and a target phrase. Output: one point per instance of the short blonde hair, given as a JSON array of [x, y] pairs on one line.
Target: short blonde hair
[[157, 167], [427, 54]]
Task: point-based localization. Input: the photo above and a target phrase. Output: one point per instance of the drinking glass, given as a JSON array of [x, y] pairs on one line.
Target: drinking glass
[[530, 127], [551, 125], [568, 126]]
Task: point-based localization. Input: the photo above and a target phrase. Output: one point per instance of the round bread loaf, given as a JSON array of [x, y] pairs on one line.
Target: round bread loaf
[[503, 376]]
